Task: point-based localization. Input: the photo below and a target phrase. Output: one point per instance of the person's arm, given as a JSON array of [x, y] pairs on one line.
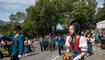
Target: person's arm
[[80, 56], [83, 53], [83, 47], [67, 42], [21, 46]]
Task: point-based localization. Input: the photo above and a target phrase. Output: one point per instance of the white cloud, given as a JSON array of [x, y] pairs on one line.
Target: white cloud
[[30, 2], [101, 6], [4, 16], [15, 7], [8, 7], [17, 4], [12, 6]]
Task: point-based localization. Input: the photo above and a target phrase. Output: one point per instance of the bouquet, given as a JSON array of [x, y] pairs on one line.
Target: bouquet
[[68, 56]]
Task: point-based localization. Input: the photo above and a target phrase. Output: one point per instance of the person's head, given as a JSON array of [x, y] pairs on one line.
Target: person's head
[[72, 29], [88, 35], [75, 28], [34, 38], [26, 37], [17, 29]]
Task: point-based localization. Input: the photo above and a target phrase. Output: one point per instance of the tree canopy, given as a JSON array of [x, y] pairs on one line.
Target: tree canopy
[[45, 15]]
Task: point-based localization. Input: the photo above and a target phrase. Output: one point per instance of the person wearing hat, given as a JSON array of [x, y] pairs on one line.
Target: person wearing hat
[[17, 44], [76, 43]]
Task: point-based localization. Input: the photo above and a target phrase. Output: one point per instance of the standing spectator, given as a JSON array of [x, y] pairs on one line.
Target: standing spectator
[[103, 41], [89, 42], [97, 38]]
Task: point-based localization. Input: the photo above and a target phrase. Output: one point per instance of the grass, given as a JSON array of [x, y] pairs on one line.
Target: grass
[[6, 54]]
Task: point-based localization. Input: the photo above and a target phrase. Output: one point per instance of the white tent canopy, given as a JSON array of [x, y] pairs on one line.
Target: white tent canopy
[[101, 24]]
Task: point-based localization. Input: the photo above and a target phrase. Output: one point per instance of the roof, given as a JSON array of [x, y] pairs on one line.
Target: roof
[[101, 22]]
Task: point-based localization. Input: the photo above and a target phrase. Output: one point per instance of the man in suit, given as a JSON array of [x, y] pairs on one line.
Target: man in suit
[[17, 44]]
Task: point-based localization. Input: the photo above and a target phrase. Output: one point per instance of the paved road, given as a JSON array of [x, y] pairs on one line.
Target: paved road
[[99, 54], [38, 55], [48, 55]]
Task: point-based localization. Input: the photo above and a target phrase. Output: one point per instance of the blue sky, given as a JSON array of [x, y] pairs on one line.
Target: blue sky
[[100, 3], [8, 7]]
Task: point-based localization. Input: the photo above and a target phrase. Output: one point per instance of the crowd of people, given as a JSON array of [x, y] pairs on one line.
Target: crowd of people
[[81, 43], [52, 42], [95, 38], [7, 44]]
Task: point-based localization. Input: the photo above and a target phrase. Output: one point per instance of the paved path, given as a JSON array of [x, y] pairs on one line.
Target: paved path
[[99, 54]]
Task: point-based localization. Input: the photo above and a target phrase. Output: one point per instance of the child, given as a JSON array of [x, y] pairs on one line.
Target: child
[[27, 44], [76, 43]]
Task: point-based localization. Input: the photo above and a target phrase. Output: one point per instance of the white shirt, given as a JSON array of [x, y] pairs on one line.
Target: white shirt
[[29, 42], [82, 45], [91, 39]]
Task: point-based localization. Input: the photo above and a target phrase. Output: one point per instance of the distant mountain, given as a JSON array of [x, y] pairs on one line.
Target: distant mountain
[[2, 22]]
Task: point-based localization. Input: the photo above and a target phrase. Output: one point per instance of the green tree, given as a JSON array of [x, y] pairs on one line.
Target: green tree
[[17, 18], [41, 17], [85, 13], [14, 20], [100, 14]]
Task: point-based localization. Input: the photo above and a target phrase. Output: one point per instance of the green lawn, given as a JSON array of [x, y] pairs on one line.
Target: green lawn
[[6, 54]]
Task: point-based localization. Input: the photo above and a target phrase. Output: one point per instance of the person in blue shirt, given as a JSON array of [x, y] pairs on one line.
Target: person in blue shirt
[[97, 38], [41, 43], [60, 43], [63, 39], [45, 43], [17, 44], [53, 42]]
